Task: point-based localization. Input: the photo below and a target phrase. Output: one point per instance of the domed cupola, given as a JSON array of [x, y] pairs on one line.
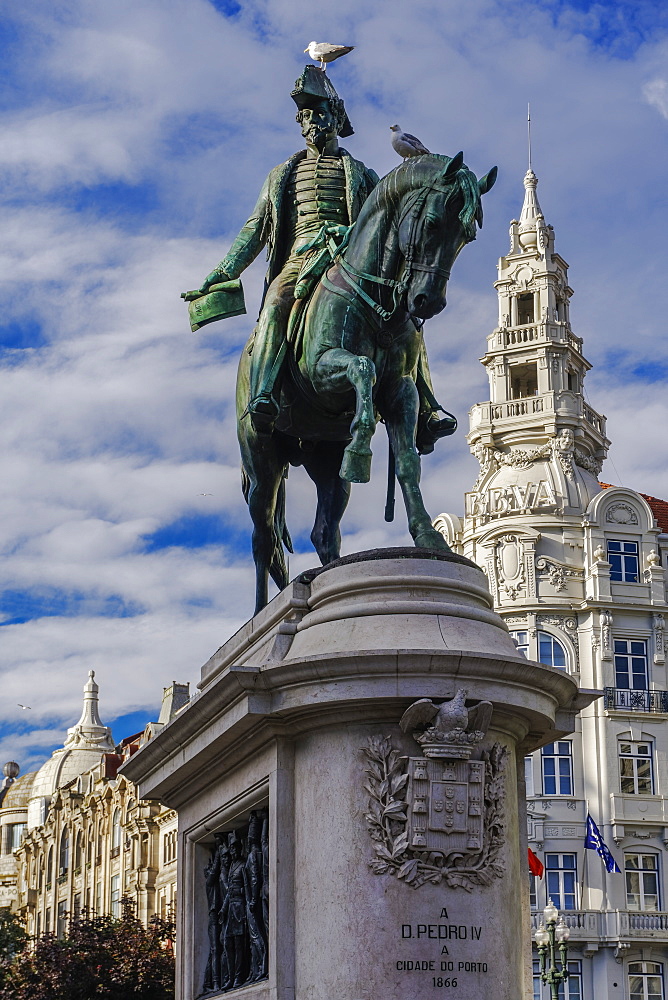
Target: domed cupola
[[85, 744]]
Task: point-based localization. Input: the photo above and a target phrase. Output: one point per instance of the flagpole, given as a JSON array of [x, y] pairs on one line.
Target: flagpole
[[584, 862]]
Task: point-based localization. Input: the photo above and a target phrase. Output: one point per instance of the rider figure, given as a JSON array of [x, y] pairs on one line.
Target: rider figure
[[322, 185]]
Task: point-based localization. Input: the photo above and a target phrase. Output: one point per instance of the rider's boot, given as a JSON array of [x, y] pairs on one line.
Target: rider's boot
[[431, 429], [263, 411]]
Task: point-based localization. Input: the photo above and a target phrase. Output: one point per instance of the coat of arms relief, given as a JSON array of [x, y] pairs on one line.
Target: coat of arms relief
[[438, 817]]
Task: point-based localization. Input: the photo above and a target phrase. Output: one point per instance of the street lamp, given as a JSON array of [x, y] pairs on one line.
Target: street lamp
[[548, 937]]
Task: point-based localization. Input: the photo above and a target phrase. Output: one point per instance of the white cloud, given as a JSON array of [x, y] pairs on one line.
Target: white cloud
[[656, 94], [114, 424]]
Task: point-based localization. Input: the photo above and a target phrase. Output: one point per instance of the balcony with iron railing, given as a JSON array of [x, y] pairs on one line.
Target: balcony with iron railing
[[629, 700]]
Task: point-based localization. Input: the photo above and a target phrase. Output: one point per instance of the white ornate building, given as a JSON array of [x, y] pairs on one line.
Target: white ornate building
[[87, 840], [578, 571]]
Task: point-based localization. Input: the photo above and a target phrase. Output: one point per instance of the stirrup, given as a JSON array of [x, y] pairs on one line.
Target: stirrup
[[431, 429], [263, 411]]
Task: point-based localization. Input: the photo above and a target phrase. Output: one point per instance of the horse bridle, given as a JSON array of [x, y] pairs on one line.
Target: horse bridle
[[400, 287]]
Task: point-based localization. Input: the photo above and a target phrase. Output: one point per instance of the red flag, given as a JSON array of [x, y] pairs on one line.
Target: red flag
[[536, 866]]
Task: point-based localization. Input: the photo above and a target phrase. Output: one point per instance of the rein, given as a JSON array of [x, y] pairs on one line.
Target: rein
[[399, 288]]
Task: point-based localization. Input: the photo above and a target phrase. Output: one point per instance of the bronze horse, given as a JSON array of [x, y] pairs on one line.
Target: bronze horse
[[356, 356]]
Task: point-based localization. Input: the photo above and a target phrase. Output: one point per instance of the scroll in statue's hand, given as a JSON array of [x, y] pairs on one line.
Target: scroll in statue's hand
[[214, 278]]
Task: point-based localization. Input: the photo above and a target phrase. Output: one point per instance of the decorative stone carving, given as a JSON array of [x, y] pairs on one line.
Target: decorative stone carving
[[621, 513], [589, 463], [556, 572], [605, 624], [599, 554], [237, 891], [659, 641], [450, 730], [510, 569], [653, 558], [438, 817], [563, 448]]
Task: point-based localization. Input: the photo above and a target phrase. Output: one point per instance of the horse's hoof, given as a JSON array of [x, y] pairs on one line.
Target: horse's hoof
[[356, 466], [430, 538]]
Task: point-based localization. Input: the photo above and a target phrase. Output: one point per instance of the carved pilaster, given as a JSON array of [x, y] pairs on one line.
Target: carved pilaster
[[529, 546], [659, 641], [605, 626]]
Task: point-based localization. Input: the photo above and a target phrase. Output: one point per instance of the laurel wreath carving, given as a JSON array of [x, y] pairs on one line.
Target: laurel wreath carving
[[386, 783]]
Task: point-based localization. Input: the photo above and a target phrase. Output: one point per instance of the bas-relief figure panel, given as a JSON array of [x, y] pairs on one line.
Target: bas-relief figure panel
[[237, 891]]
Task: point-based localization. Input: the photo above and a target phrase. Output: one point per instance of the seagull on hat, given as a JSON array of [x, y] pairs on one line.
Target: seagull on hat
[[406, 144], [323, 52]]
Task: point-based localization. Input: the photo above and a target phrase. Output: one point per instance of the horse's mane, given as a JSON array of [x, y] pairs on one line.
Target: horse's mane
[[427, 170]]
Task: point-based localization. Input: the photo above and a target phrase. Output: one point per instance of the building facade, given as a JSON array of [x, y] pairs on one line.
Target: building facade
[[88, 841], [577, 569]]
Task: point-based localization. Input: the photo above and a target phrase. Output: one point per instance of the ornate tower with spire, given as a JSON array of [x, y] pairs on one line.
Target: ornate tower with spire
[[578, 573], [540, 445]]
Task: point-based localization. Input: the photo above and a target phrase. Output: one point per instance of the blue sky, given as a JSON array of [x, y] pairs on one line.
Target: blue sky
[[134, 138]]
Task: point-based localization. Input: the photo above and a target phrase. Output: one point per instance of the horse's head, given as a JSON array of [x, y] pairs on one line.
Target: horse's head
[[438, 214]]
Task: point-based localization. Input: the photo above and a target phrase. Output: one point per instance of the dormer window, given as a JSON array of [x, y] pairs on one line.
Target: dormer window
[[624, 561]]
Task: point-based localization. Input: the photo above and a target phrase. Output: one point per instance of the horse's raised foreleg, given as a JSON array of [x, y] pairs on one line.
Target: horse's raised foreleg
[[400, 410], [333, 494], [339, 370]]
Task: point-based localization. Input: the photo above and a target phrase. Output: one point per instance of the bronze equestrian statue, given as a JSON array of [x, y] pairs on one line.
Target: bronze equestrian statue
[[355, 267]]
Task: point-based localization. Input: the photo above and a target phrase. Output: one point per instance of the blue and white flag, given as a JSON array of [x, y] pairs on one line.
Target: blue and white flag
[[594, 840]]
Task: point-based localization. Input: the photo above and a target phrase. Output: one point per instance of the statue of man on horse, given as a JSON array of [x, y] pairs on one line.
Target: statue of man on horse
[[322, 185], [355, 267]]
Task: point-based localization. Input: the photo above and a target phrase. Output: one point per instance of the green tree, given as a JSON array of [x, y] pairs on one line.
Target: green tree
[[100, 958], [13, 936]]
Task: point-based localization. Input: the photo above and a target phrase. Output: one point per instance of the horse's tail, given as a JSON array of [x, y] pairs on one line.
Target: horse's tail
[[278, 568], [279, 564]]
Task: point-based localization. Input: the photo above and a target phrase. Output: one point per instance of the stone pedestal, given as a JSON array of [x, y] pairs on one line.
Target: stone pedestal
[[397, 868]]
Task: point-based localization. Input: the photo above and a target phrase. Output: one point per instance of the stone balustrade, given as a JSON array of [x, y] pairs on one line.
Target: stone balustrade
[[610, 925]]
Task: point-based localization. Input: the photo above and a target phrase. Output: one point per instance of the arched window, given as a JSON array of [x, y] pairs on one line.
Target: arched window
[[49, 867], [551, 652], [521, 640], [116, 829], [64, 855], [645, 981]]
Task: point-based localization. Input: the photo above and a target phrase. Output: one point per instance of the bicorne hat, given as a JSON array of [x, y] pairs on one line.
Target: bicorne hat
[[314, 85]]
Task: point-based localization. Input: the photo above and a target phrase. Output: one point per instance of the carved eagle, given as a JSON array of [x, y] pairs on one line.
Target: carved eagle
[[448, 716]]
